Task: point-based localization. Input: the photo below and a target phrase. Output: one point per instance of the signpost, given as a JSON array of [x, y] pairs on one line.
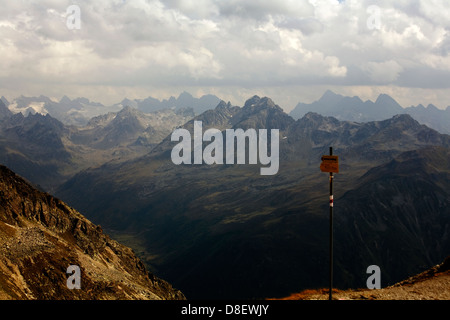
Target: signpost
[[330, 164]]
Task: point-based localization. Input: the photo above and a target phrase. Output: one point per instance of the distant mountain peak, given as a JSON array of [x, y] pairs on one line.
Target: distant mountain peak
[[257, 101], [385, 98], [4, 111], [127, 109], [222, 104], [185, 94], [350, 108], [329, 97], [330, 94], [184, 100], [312, 115], [65, 99], [313, 119], [432, 107], [403, 120], [404, 117], [4, 100], [252, 101], [128, 102]]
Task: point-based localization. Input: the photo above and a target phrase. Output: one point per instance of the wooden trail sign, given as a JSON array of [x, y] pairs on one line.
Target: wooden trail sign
[[330, 164]]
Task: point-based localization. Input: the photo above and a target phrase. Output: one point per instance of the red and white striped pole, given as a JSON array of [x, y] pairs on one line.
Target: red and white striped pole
[[331, 231]]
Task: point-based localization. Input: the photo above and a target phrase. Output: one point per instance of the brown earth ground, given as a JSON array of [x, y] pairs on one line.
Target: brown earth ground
[[433, 284]]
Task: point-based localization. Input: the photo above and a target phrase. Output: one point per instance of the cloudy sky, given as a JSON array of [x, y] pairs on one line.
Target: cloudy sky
[[289, 50]]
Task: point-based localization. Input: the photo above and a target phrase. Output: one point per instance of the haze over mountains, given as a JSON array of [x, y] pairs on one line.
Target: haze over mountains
[[80, 110], [354, 109], [225, 231]]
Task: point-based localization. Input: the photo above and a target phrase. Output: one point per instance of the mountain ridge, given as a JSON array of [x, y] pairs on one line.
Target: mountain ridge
[[47, 151], [80, 110], [384, 107]]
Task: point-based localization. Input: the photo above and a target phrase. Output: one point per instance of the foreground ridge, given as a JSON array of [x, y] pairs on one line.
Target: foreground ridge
[[432, 284], [40, 237]]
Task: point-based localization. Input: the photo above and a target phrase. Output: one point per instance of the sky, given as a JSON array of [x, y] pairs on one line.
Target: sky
[[289, 50]]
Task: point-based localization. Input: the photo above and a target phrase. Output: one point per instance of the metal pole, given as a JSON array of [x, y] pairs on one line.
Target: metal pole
[[331, 231]]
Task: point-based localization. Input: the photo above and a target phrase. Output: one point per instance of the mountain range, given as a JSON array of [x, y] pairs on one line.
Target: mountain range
[[80, 110], [70, 112], [355, 109], [48, 152], [184, 100], [225, 231]]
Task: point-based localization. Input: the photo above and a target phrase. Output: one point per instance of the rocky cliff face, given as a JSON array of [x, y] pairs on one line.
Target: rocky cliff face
[[40, 237]]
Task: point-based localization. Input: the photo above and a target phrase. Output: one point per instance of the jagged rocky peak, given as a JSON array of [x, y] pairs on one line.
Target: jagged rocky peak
[[65, 99], [258, 113], [4, 111], [257, 102], [217, 118], [41, 237], [403, 117], [385, 98], [330, 97], [313, 116], [225, 108], [223, 105], [127, 111], [404, 121], [315, 119], [130, 116], [252, 101], [4, 100]]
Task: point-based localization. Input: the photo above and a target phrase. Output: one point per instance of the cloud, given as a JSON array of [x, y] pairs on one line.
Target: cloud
[[261, 43], [383, 72], [307, 25]]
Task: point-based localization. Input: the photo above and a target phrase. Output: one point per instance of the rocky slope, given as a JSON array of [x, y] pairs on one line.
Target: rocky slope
[[396, 212], [40, 237]]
